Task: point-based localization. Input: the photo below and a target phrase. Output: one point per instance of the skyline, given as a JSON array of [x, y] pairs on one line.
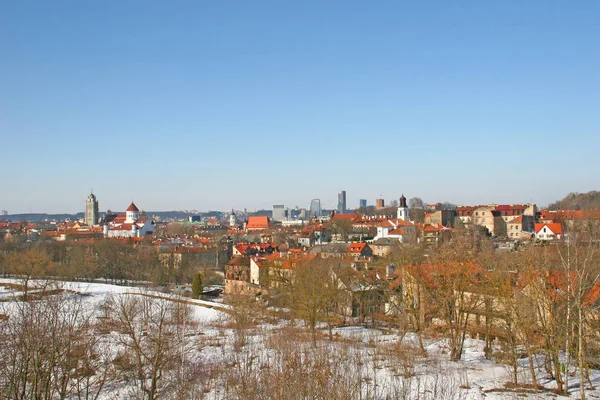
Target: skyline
[[217, 106], [325, 206]]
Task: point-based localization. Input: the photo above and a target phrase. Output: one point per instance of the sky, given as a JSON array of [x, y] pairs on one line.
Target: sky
[[212, 105]]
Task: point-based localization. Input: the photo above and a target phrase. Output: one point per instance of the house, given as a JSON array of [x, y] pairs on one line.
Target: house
[[548, 231], [359, 250], [313, 234], [432, 233], [177, 256], [237, 275], [517, 230], [441, 217], [495, 217], [465, 213], [383, 247], [488, 218], [403, 231], [329, 250]]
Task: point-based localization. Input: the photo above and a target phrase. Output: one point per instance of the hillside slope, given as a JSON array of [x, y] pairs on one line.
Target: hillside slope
[[577, 201]]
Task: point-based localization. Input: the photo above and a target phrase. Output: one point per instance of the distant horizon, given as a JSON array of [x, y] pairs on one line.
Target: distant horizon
[[269, 208], [209, 105]]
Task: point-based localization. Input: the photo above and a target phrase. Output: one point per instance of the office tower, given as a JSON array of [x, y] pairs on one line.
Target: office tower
[[341, 208], [315, 207], [278, 212]]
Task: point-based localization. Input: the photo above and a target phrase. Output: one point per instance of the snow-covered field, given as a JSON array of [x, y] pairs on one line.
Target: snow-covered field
[[238, 359]]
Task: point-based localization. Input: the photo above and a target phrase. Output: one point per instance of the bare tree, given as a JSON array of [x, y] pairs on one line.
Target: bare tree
[[416, 202], [46, 347], [153, 340], [29, 264], [312, 292], [578, 255]]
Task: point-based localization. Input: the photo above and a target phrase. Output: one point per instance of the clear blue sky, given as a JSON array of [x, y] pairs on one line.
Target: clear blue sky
[[220, 104]]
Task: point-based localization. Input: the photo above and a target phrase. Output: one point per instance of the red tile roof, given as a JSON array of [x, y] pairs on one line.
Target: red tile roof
[[433, 228], [356, 248], [555, 228], [258, 222], [518, 220], [345, 216], [132, 207]]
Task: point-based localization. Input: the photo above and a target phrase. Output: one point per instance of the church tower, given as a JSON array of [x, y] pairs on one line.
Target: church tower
[[403, 209], [132, 214], [91, 210]]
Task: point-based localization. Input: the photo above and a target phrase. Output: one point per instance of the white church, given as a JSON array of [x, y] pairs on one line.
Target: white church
[[128, 225], [400, 228]]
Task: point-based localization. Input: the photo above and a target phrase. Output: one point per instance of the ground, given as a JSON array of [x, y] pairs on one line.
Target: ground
[[385, 364]]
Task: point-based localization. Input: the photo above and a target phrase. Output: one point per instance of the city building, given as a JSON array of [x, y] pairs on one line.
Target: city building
[[341, 208], [130, 224], [379, 204], [362, 203], [278, 212], [91, 210], [315, 207]]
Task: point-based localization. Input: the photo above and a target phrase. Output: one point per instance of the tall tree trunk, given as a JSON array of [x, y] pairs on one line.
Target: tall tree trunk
[[581, 353]]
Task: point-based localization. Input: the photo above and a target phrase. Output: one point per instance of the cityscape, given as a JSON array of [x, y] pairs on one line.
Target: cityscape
[[299, 200]]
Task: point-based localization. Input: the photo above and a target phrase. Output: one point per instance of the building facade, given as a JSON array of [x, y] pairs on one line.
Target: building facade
[[315, 207], [278, 212]]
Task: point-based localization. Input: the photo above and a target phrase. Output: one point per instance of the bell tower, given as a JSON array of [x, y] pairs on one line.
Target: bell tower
[[403, 209], [91, 210]]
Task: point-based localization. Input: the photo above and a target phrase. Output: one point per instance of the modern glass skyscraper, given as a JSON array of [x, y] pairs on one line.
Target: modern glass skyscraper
[[315, 207], [341, 208]]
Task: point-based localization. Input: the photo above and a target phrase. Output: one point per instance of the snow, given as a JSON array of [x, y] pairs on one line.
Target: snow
[[416, 375], [97, 293]]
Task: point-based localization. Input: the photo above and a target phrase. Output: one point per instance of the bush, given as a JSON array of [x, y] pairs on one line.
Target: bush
[[197, 285]]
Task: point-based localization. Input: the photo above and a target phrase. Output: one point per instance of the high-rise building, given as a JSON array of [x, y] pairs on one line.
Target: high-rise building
[[379, 204], [362, 203], [4, 212], [91, 210], [315, 207], [278, 212], [341, 208]]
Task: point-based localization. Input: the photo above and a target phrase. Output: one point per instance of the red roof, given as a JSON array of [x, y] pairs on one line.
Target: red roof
[[132, 207], [356, 248], [518, 220], [554, 228], [345, 216], [398, 231], [433, 228], [258, 222]]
